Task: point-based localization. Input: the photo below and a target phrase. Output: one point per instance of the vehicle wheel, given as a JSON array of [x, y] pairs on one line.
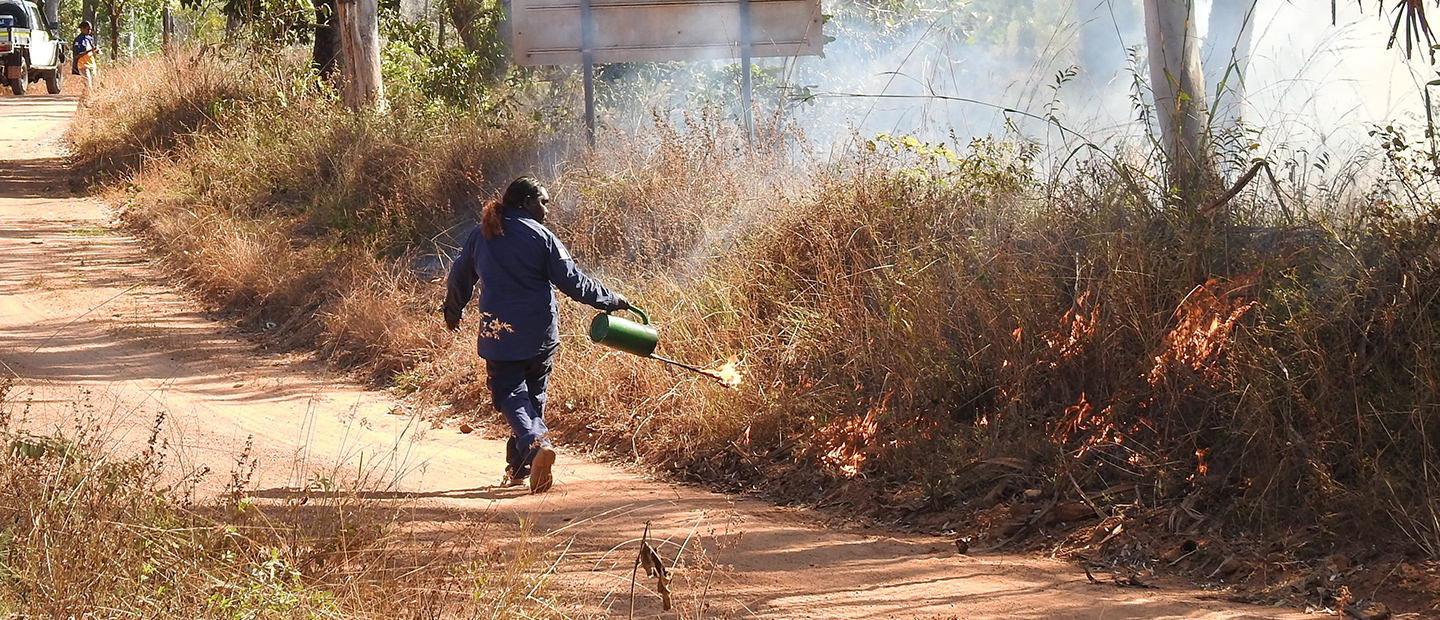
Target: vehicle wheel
[[17, 85], [54, 80]]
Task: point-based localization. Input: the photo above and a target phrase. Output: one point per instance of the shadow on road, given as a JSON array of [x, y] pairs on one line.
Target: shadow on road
[[6, 97], [486, 492], [45, 177]]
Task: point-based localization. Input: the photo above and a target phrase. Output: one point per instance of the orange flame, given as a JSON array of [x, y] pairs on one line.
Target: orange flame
[[729, 374], [1076, 327], [1204, 322], [845, 439], [1077, 417], [1094, 430]]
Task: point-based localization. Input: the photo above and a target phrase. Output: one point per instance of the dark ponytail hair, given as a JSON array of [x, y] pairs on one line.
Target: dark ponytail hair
[[520, 190]]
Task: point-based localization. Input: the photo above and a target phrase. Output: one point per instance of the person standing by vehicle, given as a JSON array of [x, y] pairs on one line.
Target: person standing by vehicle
[[516, 260], [86, 52]]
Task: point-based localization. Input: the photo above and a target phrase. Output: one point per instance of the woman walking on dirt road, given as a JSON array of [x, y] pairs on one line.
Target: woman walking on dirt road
[[516, 260]]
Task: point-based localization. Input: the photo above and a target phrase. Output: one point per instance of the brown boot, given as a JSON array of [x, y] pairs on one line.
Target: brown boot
[[540, 475]]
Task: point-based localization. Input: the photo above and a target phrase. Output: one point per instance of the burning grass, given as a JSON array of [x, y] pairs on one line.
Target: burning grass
[[905, 319]]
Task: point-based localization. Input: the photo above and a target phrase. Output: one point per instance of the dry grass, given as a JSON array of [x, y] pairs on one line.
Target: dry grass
[[669, 199], [137, 111], [278, 205], [90, 532], [907, 316]]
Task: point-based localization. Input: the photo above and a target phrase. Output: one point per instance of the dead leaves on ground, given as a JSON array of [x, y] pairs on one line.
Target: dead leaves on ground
[[1130, 580]]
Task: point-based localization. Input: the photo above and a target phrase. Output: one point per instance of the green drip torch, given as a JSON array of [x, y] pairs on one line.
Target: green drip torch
[[635, 338]]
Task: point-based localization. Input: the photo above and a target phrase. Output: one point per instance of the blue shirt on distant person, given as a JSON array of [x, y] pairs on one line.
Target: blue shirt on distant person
[[84, 43], [515, 271], [85, 52]]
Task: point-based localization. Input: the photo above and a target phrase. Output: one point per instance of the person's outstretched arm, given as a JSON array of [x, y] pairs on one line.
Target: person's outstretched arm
[[576, 285], [460, 285]]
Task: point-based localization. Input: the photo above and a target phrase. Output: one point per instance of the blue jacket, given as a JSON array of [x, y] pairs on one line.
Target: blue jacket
[[515, 271], [83, 43]]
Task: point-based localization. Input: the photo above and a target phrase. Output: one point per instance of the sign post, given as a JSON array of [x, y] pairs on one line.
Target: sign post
[[586, 32], [587, 66], [746, 101]]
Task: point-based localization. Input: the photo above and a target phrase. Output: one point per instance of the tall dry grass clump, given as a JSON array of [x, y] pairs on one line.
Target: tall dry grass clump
[[670, 198], [153, 106]]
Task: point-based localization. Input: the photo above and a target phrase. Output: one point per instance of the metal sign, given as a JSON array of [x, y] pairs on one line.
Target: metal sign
[[552, 32]]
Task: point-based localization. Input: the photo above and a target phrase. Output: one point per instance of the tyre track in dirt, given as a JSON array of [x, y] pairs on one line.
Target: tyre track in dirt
[[89, 327]]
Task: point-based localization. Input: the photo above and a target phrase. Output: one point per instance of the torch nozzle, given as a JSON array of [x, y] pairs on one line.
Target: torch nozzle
[[728, 376], [675, 363]]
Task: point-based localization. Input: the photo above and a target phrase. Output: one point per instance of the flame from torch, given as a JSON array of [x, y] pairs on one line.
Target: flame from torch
[[728, 375]]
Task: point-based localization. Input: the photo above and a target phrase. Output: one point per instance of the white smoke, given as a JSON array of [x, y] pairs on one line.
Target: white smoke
[[1321, 87], [1061, 72], [1310, 87]]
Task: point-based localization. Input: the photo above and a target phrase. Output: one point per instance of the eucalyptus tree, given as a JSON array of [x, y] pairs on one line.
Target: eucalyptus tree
[[271, 23], [354, 24], [360, 86], [472, 20], [1178, 78], [484, 30], [119, 16], [115, 11], [1177, 82]]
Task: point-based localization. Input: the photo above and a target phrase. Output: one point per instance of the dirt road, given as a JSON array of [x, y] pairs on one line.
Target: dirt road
[[89, 327]]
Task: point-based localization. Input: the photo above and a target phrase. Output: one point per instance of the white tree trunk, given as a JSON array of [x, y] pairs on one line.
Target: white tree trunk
[[360, 48], [1179, 88], [1227, 59]]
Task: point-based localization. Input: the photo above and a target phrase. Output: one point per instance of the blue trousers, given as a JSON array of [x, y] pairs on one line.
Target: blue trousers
[[517, 391]]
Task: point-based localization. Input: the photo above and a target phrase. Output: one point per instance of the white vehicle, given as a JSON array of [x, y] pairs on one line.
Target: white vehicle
[[29, 47]]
